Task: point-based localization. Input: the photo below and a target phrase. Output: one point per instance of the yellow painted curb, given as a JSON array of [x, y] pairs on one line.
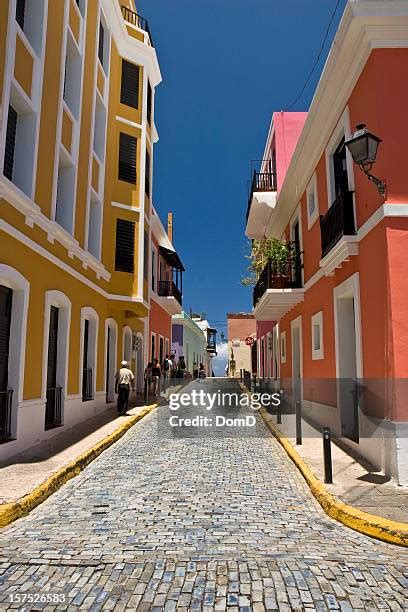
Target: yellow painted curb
[[369, 524], [12, 511]]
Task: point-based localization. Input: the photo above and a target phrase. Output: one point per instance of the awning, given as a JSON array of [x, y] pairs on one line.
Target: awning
[[172, 258]]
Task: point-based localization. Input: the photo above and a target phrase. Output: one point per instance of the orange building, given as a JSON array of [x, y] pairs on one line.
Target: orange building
[[341, 338]]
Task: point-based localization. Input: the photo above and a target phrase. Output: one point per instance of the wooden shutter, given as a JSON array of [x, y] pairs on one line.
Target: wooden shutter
[[20, 13], [149, 102], [10, 143], [146, 256], [129, 90], [52, 349], [147, 174], [101, 42], [6, 297], [125, 246], [127, 158]]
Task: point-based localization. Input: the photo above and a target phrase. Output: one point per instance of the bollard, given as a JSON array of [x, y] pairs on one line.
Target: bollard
[[254, 383], [298, 422], [328, 473], [146, 392], [279, 412]]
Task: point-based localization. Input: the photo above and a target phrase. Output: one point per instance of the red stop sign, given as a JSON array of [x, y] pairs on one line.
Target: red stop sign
[[249, 341]]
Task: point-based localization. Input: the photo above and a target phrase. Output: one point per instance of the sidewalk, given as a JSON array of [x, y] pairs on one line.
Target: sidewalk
[[355, 481], [21, 473]]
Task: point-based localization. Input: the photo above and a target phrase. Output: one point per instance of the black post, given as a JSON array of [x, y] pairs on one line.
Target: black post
[[146, 392], [298, 423], [328, 474], [279, 412], [240, 374], [254, 383]]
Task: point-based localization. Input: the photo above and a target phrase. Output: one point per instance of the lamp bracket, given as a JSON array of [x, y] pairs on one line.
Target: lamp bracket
[[381, 186]]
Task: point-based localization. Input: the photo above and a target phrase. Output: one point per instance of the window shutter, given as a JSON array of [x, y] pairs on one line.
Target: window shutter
[[10, 143], [149, 103], [20, 13], [129, 91], [101, 42], [125, 246], [127, 158], [147, 174], [146, 256]]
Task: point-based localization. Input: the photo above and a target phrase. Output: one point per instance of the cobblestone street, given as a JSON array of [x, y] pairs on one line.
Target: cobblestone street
[[195, 523]]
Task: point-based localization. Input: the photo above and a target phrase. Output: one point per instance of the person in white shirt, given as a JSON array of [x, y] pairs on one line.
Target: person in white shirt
[[124, 379]]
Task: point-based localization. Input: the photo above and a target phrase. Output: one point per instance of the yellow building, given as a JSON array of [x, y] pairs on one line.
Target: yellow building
[[77, 86]]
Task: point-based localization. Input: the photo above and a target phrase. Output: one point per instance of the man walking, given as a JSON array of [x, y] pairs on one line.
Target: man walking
[[124, 379]]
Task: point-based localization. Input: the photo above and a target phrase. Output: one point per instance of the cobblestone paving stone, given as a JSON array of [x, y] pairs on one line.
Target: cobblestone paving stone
[[191, 523]]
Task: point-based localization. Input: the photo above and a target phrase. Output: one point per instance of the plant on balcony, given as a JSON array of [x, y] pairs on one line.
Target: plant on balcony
[[278, 252]]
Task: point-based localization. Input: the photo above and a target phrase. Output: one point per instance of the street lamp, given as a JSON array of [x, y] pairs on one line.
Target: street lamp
[[363, 147]]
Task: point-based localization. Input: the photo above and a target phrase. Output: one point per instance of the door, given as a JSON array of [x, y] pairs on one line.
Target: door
[[297, 268], [161, 350], [108, 361], [296, 333], [263, 357], [347, 389], [6, 298], [52, 349], [340, 169]]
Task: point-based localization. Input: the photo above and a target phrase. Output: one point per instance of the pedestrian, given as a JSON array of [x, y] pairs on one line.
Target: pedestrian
[[181, 366], [166, 369], [148, 376], [195, 370], [226, 369], [201, 373], [124, 379], [156, 374]]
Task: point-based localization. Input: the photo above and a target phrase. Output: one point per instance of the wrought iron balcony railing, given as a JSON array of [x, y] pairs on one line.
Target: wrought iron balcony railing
[[287, 276], [261, 181], [87, 385], [137, 20], [337, 222], [53, 408], [167, 288], [6, 399]]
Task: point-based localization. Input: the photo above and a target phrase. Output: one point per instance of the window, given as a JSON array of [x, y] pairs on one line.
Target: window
[[129, 91], [127, 158], [283, 347], [317, 336], [72, 77], [125, 246], [312, 202], [146, 256], [65, 198], [95, 227], [149, 103], [6, 299], [147, 174], [89, 327], [101, 42], [10, 143], [20, 13]]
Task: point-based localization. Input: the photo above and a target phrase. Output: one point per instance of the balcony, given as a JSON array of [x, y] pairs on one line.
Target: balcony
[[278, 291], [137, 21], [338, 233], [212, 340], [261, 203], [170, 297], [53, 408], [6, 398]]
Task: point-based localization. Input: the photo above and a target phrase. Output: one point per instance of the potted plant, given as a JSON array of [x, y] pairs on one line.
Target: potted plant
[[278, 254]]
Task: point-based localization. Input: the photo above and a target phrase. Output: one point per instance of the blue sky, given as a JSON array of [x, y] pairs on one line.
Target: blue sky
[[226, 66]]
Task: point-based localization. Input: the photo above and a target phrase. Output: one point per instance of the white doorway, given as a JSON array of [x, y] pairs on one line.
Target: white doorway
[[111, 339], [348, 355]]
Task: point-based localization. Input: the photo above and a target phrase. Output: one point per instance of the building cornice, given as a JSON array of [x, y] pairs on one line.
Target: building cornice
[[364, 26], [130, 48]]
